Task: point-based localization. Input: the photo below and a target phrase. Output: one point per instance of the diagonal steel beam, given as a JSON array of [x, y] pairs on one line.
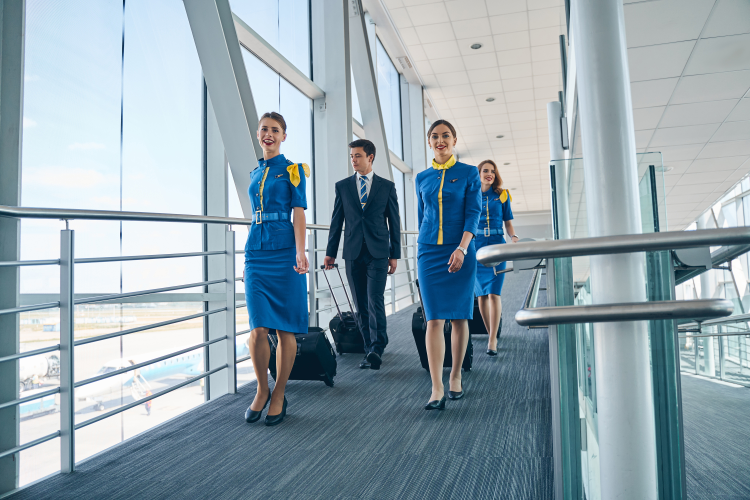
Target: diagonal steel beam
[[229, 88], [367, 88]]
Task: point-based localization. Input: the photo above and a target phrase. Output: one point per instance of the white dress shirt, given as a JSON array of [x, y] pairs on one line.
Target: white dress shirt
[[368, 181]]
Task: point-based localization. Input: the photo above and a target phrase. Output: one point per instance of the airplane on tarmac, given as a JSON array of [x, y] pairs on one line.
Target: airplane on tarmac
[[137, 382]]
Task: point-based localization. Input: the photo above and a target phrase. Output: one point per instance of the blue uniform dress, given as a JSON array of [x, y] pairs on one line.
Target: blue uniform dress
[[275, 293], [448, 204], [495, 211]]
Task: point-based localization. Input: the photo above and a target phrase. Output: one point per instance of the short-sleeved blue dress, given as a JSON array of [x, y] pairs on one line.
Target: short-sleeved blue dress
[[495, 211], [448, 204], [275, 293]]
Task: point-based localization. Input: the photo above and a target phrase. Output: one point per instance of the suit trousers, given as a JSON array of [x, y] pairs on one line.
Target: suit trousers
[[367, 279]]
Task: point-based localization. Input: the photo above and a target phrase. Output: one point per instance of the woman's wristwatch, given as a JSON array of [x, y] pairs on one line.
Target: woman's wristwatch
[[465, 251], [514, 236]]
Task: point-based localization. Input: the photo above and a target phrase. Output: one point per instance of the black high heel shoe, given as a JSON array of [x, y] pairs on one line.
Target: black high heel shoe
[[490, 352], [436, 405], [253, 416], [455, 395], [277, 419]]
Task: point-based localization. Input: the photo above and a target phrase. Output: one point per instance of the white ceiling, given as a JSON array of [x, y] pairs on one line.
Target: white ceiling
[[518, 65], [690, 82]]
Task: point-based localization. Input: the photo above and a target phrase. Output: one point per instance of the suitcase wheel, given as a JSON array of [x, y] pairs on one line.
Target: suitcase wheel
[[328, 381], [467, 369]]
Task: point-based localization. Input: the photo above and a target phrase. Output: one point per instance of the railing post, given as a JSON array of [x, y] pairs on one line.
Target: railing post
[[312, 281], [231, 322], [67, 391], [393, 294], [722, 352]]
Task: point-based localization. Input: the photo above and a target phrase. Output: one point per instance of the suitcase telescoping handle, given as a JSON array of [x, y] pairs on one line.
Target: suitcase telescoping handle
[[333, 295]]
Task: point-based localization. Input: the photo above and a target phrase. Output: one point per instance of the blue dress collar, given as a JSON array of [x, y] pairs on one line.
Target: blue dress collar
[[277, 161]]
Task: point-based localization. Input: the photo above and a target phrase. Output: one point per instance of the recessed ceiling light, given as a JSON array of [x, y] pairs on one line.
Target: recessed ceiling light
[[490, 99], [499, 136], [476, 46], [506, 163]]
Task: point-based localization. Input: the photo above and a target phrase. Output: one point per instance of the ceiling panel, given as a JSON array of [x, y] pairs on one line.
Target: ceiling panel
[[730, 17], [712, 87], [716, 55]]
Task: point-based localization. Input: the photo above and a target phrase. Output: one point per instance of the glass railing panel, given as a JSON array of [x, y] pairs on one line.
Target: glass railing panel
[[578, 371]]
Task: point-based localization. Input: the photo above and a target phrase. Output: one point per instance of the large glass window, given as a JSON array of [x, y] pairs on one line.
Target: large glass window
[[285, 24], [103, 132], [389, 92]]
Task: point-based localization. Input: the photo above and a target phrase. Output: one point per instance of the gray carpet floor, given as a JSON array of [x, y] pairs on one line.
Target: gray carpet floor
[[368, 437], [717, 440]]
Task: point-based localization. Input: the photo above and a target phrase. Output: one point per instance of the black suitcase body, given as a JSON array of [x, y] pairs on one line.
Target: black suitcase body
[[315, 357], [343, 326], [419, 331], [476, 324]]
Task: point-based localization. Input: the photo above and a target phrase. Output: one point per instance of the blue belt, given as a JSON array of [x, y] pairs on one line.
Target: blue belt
[[261, 217], [490, 232]]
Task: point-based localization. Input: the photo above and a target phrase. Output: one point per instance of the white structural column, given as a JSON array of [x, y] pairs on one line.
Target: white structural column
[[367, 88], [229, 88], [625, 402], [707, 288], [216, 203], [12, 13], [332, 114], [556, 152]]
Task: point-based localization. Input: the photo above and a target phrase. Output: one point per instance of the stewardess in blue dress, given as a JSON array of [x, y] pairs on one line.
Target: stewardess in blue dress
[[495, 211], [448, 197], [275, 265]]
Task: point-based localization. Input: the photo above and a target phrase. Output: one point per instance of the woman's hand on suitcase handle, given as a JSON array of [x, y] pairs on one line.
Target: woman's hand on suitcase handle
[[302, 264], [328, 262]]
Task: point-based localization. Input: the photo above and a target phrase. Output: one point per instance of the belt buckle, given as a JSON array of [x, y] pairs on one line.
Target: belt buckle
[[258, 217], [486, 232]]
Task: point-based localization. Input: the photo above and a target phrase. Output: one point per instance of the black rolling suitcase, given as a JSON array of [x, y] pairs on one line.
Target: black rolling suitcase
[[419, 330], [476, 324], [315, 357], [343, 326]]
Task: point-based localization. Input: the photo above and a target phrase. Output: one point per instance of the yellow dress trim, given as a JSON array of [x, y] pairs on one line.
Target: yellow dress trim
[[505, 195], [262, 184], [294, 173], [488, 211], [442, 166]]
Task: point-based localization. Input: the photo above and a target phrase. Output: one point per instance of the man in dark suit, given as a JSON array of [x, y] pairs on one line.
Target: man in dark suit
[[372, 244]]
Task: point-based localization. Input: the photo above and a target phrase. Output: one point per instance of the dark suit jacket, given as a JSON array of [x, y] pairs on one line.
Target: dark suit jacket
[[383, 240]]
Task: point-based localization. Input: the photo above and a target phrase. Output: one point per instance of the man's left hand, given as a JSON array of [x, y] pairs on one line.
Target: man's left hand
[[392, 265]]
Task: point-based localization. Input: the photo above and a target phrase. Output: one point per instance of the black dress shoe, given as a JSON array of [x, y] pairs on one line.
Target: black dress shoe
[[490, 352], [436, 405], [277, 419], [253, 416], [364, 364], [375, 360], [455, 395]]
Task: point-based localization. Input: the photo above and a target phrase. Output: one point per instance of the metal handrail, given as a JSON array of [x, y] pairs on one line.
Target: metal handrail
[[635, 311], [130, 368], [148, 398], [104, 298], [28, 354], [625, 243], [733, 334], [92, 260], [38, 395], [30, 444], [146, 327], [22, 263], [719, 321], [77, 214], [35, 307]]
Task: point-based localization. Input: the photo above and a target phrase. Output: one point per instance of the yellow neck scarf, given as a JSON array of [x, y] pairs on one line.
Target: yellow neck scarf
[[445, 166]]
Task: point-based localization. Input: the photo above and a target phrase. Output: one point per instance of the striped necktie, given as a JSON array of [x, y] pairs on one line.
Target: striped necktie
[[362, 191]]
